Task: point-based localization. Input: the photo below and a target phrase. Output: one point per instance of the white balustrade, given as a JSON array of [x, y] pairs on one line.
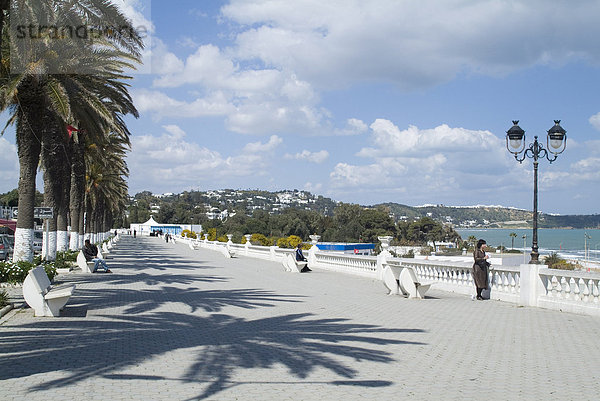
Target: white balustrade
[[528, 285], [570, 291], [365, 266]]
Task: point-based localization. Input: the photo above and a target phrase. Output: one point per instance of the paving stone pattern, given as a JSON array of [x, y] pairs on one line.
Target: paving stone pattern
[[175, 324]]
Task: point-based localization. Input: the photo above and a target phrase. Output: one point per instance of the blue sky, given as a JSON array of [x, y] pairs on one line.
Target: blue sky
[[365, 101]]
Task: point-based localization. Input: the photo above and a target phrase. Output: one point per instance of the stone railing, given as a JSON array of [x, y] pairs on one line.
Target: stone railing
[[458, 277], [569, 291], [527, 285], [365, 266]]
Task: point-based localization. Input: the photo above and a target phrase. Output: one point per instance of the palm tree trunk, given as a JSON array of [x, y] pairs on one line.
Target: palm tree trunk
[[29, 145], [77, 194], [53, 157], [62, 223]]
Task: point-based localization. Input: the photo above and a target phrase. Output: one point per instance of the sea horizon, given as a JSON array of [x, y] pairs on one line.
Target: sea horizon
[[568, 243]]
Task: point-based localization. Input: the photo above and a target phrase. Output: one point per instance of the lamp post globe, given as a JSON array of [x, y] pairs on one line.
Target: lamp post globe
[[556, 143]]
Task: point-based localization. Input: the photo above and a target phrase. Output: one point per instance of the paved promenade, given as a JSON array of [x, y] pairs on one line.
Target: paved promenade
[[175, 324]]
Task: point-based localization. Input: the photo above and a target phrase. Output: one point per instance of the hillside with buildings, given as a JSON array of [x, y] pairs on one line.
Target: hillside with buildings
[[200, 206]]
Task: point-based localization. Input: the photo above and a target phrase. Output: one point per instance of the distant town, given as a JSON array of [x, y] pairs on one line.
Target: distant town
[[224, 203]]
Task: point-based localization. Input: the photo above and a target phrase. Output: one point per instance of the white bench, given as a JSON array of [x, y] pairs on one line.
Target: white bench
[[42, 297], [391, 277], [410, 284], [83, 264], [227, 252], [292, 265]]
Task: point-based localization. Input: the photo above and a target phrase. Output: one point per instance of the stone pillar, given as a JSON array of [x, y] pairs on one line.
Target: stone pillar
[[247, 244], [383, 255], [229, 237], [312, 257], [531, 284]]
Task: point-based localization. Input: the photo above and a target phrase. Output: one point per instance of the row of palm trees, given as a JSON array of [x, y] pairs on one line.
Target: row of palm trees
[[67, 98]]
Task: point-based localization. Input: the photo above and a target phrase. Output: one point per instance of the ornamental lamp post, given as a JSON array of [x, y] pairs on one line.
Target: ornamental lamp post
[[556, 142]]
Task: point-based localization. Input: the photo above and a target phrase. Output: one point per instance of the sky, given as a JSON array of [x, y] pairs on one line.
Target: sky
[[364, 101]]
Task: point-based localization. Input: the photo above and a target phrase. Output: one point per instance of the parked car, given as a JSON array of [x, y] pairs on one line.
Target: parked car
[[38, 239], [7, 245]]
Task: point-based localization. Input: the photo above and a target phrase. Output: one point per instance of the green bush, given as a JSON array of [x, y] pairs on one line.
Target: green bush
[[553, 261], [426, 250], [283, 243], [222, 238], [185, 233], [15, 273], [3, 298], [67, 256], [260, 239], [409, 254]]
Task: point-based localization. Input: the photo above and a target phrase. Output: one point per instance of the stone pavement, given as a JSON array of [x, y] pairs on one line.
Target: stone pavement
[[175, 324]]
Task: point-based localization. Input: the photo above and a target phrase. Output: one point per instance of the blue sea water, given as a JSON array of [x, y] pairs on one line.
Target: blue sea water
[[568, 243]]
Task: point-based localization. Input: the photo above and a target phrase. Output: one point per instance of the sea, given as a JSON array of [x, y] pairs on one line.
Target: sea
[[573, 244]]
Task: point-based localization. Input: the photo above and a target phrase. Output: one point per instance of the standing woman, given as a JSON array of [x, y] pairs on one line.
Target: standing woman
[[480, 268]]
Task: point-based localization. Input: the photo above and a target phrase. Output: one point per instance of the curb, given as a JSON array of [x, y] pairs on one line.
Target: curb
[[6, 309]]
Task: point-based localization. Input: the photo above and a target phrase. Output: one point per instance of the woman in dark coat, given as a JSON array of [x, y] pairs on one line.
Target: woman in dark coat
[[480, 268]]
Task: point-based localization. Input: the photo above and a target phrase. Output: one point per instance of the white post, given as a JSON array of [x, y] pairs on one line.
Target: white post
[[247, 244], [383, 255], [531, 285], [312, 257]]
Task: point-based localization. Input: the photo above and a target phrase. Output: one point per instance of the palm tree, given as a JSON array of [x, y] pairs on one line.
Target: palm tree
[[512, 237], [41, 102]]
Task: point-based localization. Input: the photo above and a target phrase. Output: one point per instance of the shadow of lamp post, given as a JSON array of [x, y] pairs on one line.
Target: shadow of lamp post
[[556, 142]]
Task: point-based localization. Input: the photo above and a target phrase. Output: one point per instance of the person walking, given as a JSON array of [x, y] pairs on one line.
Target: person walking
[[134, 233], [480, 268]]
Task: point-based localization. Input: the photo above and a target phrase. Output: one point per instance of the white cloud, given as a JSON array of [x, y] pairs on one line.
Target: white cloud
[[9, 166], [413, 44], [313, 157], [314, 188], [258, 147], [353, 126], [159, 105], [595, 121], [169, 161], [436, 162]]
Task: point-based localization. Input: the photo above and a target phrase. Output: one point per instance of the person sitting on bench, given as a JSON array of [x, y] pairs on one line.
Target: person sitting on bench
[[90, 251], [300, 257]]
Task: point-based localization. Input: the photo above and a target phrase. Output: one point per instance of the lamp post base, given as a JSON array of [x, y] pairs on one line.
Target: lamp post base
[[535, 258]]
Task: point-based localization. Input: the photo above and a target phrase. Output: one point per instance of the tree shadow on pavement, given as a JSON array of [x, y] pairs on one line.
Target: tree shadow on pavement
[[138, 301], [216, 345]]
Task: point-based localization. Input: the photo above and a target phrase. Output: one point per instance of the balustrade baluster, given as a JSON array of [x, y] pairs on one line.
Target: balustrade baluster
[[575, 295], [595, 291], [585, 290], [565, 289], [513, 283], [556, 293]]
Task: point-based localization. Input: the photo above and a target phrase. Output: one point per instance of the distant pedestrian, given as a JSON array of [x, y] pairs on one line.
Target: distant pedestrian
[[480, 268], [133, 233], [300, 258], [167, 235]]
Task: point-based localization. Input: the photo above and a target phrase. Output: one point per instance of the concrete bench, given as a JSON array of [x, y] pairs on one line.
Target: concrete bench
[[410, 284], [44, 298], [83, 264], [227, 252], [292, 265], [391, 276]]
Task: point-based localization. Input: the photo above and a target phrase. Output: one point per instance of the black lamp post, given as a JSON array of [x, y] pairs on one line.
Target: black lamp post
[[556, 142]]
